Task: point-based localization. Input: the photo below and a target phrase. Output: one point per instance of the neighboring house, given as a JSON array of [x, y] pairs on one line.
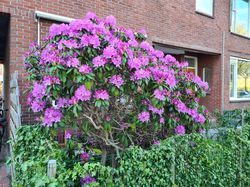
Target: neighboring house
[[212, 35]]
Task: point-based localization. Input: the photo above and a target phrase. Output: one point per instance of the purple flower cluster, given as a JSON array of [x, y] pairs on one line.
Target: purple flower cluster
[[37, 105], [144, 117], [99, 61], [51, 116], [116, 80], [156, 110], [84, 157], [49, 80], [85, 69], [101, 94], [157, 142], [87, 180], [82, 94], [160, 94], [109, 52], [39, 90], [180, 129], [200, 83], [62, 102], [68, 134]]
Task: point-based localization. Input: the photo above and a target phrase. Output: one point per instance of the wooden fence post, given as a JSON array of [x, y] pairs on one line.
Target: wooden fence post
[[51, 169]]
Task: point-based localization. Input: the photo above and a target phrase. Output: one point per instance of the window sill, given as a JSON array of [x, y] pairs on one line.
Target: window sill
[[204, 14], [242, 36], [239, 100]]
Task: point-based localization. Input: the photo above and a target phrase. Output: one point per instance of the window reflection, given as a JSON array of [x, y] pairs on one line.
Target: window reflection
[[243, 79]]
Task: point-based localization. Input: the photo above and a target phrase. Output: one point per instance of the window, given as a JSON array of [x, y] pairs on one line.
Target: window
[[207, 77], [205, 6], [240, 17], [192, 64], [240, 78]]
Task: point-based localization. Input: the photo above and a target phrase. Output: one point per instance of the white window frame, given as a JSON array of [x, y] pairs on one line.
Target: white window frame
[[233, 14], [195, 63], [200, 11], [234, 62]]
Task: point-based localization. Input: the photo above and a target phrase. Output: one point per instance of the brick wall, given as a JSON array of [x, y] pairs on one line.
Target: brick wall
[[170, 22]]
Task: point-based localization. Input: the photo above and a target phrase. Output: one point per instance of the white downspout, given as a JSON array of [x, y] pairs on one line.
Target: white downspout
[[38, 31]]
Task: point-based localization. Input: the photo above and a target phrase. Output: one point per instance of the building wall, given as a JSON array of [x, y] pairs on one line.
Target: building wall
[[171, 22]]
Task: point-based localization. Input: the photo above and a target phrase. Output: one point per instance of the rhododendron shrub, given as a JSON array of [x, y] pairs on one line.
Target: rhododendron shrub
[[111, 85]]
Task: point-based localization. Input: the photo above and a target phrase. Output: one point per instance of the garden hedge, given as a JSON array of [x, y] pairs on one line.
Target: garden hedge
[[190, 160]]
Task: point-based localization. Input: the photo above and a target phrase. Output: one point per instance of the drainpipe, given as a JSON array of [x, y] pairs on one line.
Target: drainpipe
[[38, 31], [223, 73]]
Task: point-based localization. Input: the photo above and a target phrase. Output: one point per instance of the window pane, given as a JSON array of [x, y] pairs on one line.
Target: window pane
[[242, 16], [191, 61], [207, 77], [205, 6], [232, 81], [243, 79]]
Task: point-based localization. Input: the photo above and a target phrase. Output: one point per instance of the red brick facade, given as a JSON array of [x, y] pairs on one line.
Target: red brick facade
[[171, 23]]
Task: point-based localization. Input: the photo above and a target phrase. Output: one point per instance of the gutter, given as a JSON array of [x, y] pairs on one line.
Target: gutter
[[53, 17]]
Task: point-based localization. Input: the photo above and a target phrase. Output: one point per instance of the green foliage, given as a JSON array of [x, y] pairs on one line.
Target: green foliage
[[191, 160], [32, 150], [102, 174], [232, 118]]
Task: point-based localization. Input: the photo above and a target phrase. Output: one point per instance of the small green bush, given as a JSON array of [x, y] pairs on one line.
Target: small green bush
[[32, 149]]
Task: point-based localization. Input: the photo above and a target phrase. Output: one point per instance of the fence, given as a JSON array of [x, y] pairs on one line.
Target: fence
[[15, 113]]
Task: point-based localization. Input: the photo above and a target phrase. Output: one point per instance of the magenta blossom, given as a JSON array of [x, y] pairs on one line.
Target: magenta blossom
[[180, 129], [109, 52], [99, 61], [68, 134], [82, 94], [87, 180], [162, 120], [39, 90], [37, 105], [52, 115], [111, 20], [85, 69], [49, 80], [84, 157], [101, 94], [62, 102], [142, 74], [144, 117], [201, 131], [157, 142], [156, 110], [116, 80], [160, 94], [73, 62]]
